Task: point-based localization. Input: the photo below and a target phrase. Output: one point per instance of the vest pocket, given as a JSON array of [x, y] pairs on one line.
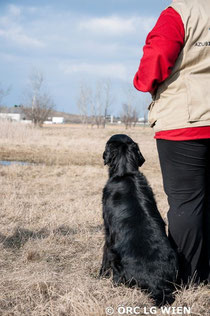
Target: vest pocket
[[152, 117], [198, 97]]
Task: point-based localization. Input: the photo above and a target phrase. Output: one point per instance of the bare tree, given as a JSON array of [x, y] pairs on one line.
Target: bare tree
[[135, 117], [95, 102], [3, 93], [144, 107], [108, 99], [101, 102], [38, 105], [83, 102], [129, 115], [97, 106]]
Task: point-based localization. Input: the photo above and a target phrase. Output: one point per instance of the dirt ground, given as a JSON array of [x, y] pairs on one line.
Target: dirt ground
[[51, 229]]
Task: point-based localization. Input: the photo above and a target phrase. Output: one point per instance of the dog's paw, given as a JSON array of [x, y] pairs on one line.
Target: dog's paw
[[104, 273]]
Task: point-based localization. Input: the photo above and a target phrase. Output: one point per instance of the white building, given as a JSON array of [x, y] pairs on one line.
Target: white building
[[57, 120], [11, 116]]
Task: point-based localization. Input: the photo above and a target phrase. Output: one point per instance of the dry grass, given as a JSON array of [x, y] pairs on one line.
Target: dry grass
[[51, 234], [14, 132]]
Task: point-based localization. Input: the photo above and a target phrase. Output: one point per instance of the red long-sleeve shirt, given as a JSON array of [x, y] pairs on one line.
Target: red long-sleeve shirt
[[162, 47]]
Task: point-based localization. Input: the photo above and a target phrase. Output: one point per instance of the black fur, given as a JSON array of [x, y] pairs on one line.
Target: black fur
[[136, 248]]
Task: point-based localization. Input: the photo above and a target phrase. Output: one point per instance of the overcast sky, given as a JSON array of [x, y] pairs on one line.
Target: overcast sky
[[73, 41]]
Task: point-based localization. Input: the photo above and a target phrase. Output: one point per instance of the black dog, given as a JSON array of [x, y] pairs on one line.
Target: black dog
[[136, 248]]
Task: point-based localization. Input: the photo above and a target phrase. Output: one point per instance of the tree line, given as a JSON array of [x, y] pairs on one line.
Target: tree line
[[93, 103], [37, 103]]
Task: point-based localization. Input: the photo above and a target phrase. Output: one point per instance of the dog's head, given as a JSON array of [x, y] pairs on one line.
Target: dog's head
[[122, 155]]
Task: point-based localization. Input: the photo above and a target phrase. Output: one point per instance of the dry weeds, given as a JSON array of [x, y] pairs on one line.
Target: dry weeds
[[51, 234]]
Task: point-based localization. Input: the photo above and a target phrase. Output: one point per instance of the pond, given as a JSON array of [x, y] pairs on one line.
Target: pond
[[10, 162]]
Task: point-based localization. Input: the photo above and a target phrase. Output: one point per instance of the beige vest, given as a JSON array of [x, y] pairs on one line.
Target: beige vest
[[183, 99]]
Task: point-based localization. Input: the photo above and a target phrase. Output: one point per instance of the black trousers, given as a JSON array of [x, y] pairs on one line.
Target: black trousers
[[185, 169]]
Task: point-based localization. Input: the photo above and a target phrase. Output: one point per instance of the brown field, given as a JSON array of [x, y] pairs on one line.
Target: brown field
[[51, 233]]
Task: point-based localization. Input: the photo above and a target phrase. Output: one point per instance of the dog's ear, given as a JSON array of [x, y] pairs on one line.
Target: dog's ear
[[138, 155], [107, 155]]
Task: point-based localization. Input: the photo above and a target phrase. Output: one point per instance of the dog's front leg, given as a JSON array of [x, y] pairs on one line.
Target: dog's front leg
[[105, 270]]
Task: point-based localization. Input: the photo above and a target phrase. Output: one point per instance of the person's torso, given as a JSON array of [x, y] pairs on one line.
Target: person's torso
[[183, 99]]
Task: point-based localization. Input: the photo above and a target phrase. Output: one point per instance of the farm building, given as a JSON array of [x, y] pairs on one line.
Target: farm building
[[11, 116], [57, 120]]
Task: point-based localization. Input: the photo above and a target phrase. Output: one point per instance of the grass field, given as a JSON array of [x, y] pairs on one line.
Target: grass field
[[51, 233]]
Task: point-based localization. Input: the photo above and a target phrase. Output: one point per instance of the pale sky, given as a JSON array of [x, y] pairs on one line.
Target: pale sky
[[73, 42]]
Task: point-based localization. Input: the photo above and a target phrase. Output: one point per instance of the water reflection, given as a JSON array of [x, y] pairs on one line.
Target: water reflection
[[9, 163]]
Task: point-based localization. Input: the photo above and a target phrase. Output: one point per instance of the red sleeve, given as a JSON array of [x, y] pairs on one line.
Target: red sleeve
[[163, 45]]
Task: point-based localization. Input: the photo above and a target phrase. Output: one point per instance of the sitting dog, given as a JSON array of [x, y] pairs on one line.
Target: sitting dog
[[136, 247]]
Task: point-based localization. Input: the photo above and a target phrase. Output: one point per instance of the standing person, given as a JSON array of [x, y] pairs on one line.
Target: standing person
[[175, 69]]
